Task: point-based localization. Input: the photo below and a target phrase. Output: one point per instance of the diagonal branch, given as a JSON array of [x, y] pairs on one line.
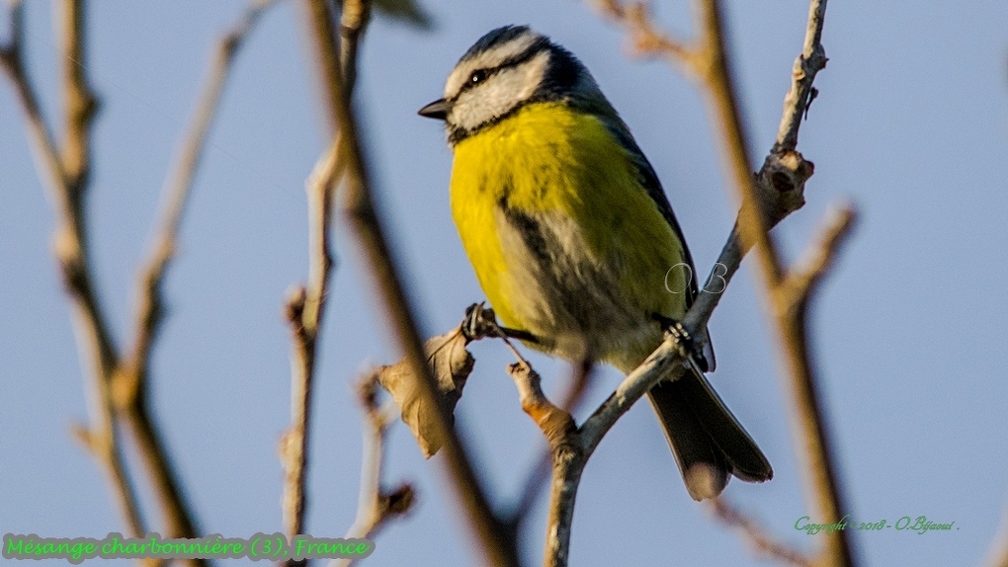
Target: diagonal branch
[[306, 304], [497, 541], [813, 446], [80, 103], [758, 538], [150, 314], [997, 556], [65, 173], [12, 63], [118, 382], [811, 60], [774, 192], [131, 385]]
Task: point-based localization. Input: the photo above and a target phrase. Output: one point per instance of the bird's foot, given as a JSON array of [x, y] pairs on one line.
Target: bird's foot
[[687, 346]]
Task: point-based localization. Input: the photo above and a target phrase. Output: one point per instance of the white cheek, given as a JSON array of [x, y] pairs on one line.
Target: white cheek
[[500, 94]]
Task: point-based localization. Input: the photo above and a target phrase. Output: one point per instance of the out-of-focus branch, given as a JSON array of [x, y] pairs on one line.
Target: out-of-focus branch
[[118, 381], [306, 304], [356, 15], [376, 505], [80, 104], [67, 174], [325, 42], [813, 446], [762, 542], [998, 554], [12, 62], [496, 540], [804, 277], [150, 313], [776, 191], [131, 381]]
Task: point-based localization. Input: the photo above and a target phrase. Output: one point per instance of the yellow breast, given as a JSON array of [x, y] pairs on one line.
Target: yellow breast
[[592, 251]]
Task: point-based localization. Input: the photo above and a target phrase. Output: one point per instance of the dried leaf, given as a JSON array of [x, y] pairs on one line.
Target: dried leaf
[[450, 363]]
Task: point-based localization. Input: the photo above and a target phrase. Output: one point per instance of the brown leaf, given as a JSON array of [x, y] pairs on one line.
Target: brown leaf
[[450, 363]]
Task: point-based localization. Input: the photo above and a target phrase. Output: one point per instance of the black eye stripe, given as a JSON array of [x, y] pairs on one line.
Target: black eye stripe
[[532, 50]]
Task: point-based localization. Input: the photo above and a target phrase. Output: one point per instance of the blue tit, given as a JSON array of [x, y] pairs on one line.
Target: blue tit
[[572, 237]]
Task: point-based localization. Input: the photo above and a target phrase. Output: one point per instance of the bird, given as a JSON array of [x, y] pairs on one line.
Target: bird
[[572, 237]]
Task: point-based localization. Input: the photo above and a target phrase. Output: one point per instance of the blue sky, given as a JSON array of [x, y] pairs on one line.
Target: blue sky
[[911, 125]]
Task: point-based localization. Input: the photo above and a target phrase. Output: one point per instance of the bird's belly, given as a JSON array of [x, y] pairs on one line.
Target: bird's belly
[[564, 240], [566, 296]]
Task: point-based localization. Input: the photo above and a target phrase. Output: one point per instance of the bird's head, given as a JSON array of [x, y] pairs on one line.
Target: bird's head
[[505, 70]]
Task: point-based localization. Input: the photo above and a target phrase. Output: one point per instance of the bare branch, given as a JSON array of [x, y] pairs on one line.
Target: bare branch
[[80, 103], [808, 271], [496, 540], [176, 192], [306, 306], [66, 176], [791, 300], [539, 475], [762, 542], [376, 505], [998, 554], [356, 15], [776, 191], [46, 153], [324, 44], [813, 445], [555, 422], [644, 36], [657, 366], [118, 383], [131, 383], [811, 60], [568, 459]]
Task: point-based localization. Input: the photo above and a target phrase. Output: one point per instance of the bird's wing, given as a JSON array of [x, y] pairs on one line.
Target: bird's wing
[[649, 180]]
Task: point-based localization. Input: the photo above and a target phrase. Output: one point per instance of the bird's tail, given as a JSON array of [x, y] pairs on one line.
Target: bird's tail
[[709, 444]]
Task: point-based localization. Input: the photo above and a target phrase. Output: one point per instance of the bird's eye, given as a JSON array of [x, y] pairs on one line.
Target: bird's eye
[[478, 76]]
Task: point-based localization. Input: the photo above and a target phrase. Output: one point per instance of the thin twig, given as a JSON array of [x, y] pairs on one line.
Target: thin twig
[[46, 153], [67, 174], [496, 540], [375, 505], [539, 475], [175, 196], [811, 60], [119, 385], [132, 384], [324, 43], [761, 541], [790, 324], [808, 271], [772, 194], [306, 306]]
